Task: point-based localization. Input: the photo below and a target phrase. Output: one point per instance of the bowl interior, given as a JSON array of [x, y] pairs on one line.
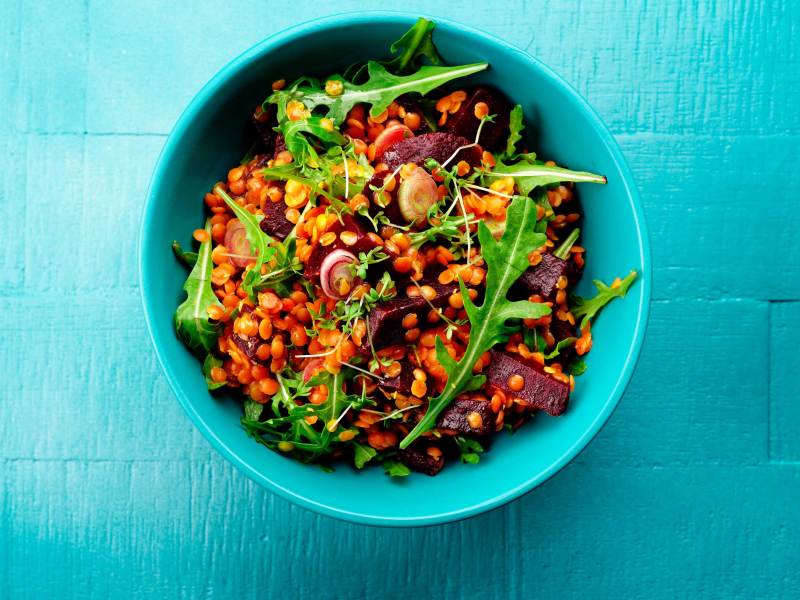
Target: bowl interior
[[210, 137]]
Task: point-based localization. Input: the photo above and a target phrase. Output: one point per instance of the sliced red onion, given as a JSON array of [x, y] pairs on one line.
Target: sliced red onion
[[416, 195], [335, 271], [237, 244], [314, 365], [390, 136]]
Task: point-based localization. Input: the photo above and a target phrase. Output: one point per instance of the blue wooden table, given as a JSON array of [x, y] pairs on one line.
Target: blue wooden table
[[692, 489]]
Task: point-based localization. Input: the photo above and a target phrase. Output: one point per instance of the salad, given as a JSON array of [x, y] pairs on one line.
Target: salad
[[387, 276]]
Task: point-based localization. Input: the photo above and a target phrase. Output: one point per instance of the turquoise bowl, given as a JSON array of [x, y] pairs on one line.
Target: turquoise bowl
[[209, 137]]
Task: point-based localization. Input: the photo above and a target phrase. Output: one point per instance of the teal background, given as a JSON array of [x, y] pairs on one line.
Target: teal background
[[691, 489]]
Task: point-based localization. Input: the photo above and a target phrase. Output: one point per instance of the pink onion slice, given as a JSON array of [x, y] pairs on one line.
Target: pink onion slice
[[236, 243], [390, 136], [311, 369], [336, 274], [417, 193]]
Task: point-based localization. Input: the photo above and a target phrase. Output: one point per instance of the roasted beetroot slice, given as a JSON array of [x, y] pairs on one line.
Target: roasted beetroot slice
[[456, 416], [280, 144], [275, 222], [418, 460], [248, 345], [384, 320], [401, 383], [465, 123], [541, 391], [542, 278], [349, 223], [439, 146], [265, 129]]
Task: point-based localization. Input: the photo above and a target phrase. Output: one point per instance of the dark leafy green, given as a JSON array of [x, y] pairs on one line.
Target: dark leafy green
[[470, 450], [530, 173], [589, 307], [262, 245], [515, 127], [378, 91], [394, 468], [505, 260], [187, 258], [209, 363], [192, 323], [413, 47], [362, 454]]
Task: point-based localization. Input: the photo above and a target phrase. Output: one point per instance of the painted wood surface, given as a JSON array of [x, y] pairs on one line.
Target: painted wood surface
[[691, 490]]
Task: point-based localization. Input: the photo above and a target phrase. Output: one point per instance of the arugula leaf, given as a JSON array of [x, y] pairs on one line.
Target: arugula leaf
[[394, 468], [565, 343], [530, 173], [260, 243], [380, 89], [362, 454], [413, 46], [470, 450], [577, 367], [252, 409], [298, 144], [192, 323], [515, 127], [209, 363], [588, 308], [505, 260], [186, 257]]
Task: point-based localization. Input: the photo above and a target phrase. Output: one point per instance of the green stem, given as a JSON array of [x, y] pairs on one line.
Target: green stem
[[562, 251]]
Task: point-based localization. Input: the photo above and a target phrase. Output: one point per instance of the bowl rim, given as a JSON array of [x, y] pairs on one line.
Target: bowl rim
[[320, 25]]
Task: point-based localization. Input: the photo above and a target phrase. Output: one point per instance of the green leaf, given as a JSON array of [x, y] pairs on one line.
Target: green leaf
[[362, 454], [470, 450], [209, 363], [529, 174], [577, 367], [413, 46], [187, 258], [588, 308], [192, 322], [380, 89], [505, 260], [252, 409], [298, 144], [565, 343], [515, 127], [261, 245], [394, 468]]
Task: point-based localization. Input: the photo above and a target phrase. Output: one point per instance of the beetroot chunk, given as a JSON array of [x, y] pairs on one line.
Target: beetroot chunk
[[465, 123], [420, 461], [275, 222], [264, 128], [541, 391], [456, 417], [542, 278], [439, 146], [383, 321], [247, 344], [401, 383]]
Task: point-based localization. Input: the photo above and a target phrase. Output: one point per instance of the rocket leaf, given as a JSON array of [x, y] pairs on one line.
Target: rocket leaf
[[588, 308], [380, 89], [260, 243], [192, 323], [530, 173], [506, 260]]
